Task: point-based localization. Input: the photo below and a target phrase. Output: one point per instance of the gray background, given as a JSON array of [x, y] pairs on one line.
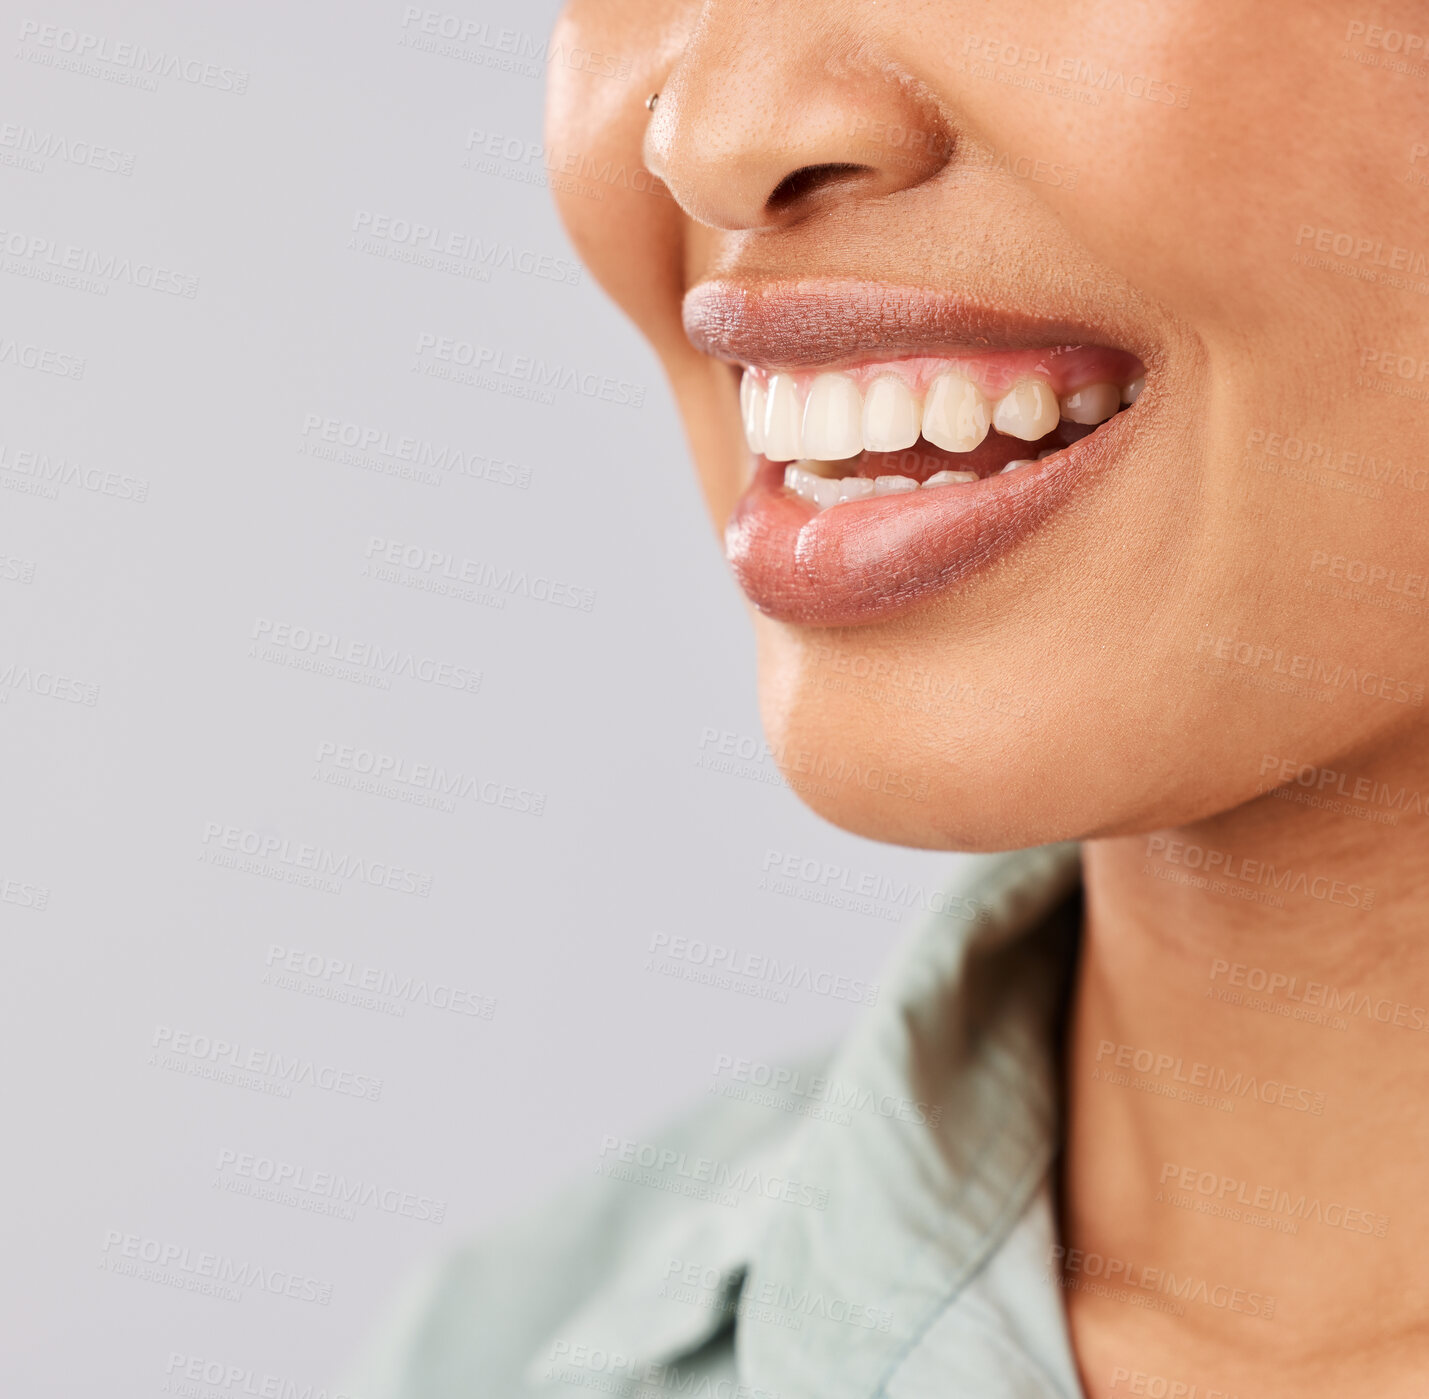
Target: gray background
[[139, 710]]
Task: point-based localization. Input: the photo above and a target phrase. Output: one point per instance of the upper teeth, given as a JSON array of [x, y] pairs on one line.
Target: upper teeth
[[833, 420], [891, 418]]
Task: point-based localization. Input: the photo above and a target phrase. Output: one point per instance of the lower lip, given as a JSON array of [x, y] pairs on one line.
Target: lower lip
[[868, 560]]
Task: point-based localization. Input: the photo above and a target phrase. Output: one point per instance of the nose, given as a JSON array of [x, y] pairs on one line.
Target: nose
[[766, 115]]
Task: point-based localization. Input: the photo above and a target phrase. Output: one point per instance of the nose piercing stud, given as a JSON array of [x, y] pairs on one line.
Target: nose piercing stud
[[651, 101]]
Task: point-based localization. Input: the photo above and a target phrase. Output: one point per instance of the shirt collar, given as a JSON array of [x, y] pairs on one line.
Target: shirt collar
[[935, 1177]]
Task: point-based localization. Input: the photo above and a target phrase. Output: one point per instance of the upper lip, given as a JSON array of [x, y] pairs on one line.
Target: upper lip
[[830, 323]]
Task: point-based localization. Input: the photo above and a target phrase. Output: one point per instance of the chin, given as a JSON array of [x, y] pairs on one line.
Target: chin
[[861, 739], [889, 736]]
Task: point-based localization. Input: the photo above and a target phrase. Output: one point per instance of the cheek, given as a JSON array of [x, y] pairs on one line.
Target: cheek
[[628, 230], [708, 399], [626, 227], [1197, 199]]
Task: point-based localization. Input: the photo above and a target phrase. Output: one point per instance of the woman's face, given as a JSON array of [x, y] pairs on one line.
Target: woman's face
[[963, 212]]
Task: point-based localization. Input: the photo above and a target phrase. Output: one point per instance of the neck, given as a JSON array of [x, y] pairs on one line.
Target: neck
[[1247, 1069]]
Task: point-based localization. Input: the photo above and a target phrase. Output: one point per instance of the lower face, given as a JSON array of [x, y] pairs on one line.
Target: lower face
[[899, 522], [1051, 551]]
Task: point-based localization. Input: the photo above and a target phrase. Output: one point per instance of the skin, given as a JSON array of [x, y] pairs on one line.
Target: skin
[[1128, 721]]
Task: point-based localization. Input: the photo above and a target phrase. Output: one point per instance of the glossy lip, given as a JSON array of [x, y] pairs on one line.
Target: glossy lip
[[829, 324], [864, 561], [867, 560]]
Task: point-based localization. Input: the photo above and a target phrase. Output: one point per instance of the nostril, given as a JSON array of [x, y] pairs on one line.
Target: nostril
[[810, 179]]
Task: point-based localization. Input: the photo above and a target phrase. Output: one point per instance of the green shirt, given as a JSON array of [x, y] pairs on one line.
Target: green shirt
[[878, 1225]]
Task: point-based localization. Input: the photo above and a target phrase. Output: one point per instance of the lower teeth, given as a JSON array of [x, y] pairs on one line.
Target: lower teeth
[[823, 491]]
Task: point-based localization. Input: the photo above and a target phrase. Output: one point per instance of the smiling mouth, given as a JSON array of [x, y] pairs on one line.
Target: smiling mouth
[[930, 422], [903, 439]]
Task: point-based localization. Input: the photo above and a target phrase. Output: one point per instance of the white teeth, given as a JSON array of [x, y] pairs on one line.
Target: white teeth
[[833, 412], [955, 413], [781, 420], [891, 420], [1013, 465], [822, 491], [833, 422], [1091, 405], [1028, 410], [751, 407], [819, 491]]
